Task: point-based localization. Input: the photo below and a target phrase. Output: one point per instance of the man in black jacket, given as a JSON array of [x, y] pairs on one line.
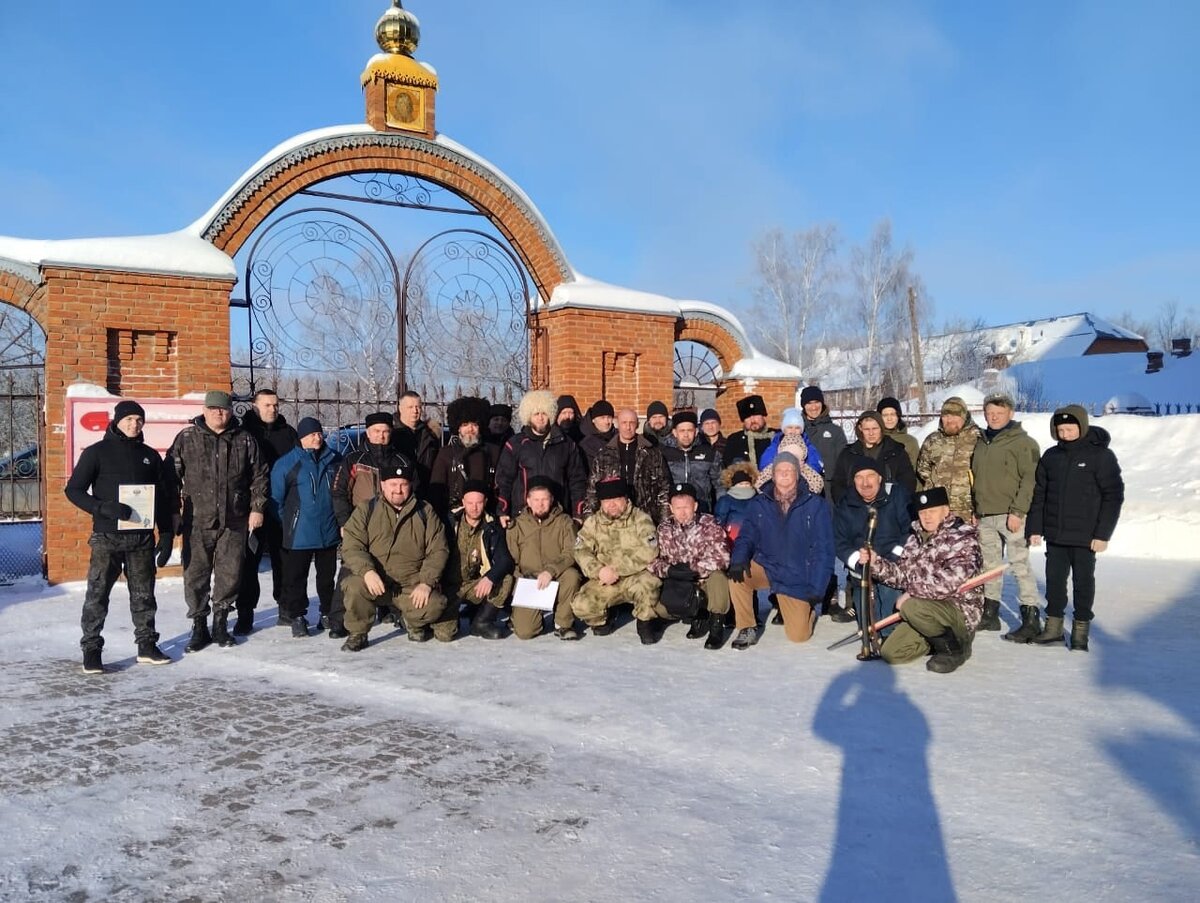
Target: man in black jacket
[[122, 459], [597, 430], [465, 457], [480, 569], [539, 450], [749, 443], [1077, 500], [275, 438], [219, 493], [415, 441]]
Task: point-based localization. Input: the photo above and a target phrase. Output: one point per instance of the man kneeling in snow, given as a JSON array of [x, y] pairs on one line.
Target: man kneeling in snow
[[941, 555]]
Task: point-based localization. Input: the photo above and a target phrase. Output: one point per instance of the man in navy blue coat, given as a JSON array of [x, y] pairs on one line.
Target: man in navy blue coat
[[892, 504], [785, 546]]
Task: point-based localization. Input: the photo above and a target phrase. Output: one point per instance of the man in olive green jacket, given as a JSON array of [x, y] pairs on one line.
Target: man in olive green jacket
[[542, 543], [395, 549], [1004, 467], [613, 550]]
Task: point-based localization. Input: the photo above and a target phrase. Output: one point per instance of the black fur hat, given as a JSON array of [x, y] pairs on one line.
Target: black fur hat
[[468, 409]]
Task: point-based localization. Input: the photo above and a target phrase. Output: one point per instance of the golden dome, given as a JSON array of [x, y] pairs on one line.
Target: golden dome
[[398, 30]]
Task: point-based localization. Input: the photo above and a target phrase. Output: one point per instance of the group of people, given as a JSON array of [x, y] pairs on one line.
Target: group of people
[[577, 514]]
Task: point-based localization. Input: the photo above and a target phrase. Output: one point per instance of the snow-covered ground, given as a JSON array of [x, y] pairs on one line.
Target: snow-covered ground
[[603, 770]]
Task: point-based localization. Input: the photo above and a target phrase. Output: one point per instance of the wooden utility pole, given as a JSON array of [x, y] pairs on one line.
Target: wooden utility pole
[[918, 362]]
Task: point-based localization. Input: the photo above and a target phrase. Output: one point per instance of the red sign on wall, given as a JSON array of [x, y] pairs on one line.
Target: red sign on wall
[[89, 417]]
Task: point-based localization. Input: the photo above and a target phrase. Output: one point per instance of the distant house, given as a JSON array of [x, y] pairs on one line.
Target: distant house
[[963, 356]]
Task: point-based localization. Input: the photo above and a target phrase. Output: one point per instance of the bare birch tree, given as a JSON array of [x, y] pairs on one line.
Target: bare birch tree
[[797, 286], [879, 278]]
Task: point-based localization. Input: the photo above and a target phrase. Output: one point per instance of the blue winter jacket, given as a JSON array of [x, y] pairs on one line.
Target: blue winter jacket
[[796, 551], [892, 529], [301, 494], [814, 457]]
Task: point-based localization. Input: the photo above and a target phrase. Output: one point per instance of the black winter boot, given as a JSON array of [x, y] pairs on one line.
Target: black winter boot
[[717, 632], [991, 615], [149, 654], [300, 626], [201, 638], [948, 653], [484, 623], [1031, 626], [92, 662], [337, 630], [650, 632], [245, 622], [1051, 633], [701, 624], [1079, 635], [220, 630], [609, 625], [355, 642]]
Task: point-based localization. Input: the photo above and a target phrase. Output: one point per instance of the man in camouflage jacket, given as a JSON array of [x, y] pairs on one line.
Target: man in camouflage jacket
[[613, 549], [945, 458], [636, 461], [694, 548], [941, 555]]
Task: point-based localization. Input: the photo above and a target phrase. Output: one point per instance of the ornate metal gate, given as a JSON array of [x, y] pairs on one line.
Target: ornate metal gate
[[323, 296], [325, 301], [468, 307]]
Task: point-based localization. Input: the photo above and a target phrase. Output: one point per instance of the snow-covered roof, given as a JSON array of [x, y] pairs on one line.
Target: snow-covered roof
[[174, 253], [593, 294], [1051, 338], [583, 291]]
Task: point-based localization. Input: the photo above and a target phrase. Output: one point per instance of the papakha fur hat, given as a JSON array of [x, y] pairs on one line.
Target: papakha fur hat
[[468, 409], [537, 401]]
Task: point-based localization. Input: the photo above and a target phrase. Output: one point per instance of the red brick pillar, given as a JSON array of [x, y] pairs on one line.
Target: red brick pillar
[[624, 356]]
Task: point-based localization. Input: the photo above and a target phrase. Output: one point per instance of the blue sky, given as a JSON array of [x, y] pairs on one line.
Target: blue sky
[[1039, 158]]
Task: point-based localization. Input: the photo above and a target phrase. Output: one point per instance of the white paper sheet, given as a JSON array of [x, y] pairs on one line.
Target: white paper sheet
[[139, 497], [527, 594]]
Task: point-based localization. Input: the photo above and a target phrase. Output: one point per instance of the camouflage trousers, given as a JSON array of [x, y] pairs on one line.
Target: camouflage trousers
[[593, 601], [360, 608], [113, 553], [212, 569], [528, 622], [921, 618]]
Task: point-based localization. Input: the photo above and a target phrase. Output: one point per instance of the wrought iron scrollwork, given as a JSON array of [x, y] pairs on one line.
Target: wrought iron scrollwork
[[393, 189], [323, 296], [467, 301]]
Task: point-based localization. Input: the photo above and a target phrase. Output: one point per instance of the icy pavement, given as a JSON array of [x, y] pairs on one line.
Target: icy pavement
[[601, 770]]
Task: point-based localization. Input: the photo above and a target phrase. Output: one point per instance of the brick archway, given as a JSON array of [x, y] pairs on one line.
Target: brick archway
[[25, 295], [359, 149], [711, 335]]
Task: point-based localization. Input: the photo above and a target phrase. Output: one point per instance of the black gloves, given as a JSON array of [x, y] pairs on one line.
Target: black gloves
[[682, 572], [166, 543], [737, 573], [116, 510]]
